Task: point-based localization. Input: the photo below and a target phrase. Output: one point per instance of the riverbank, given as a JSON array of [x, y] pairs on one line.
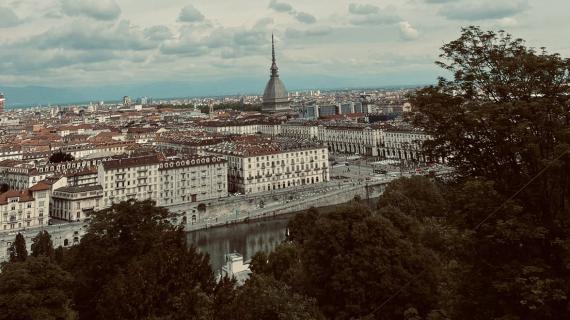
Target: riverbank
[[244, 211]]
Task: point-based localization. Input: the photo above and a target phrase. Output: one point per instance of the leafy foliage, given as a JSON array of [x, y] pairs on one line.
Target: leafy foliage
[[60, 156], [18, 251], [35, 289], [42, 245], [504, 122], [264, 298], [134, 264]]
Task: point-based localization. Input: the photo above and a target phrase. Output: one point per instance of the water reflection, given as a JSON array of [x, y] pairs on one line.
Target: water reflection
[[246, 239]]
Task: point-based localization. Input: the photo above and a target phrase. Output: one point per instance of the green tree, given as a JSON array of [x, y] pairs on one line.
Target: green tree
[[18, 251], [60, 156], [224, 299], [353, 260], [4, 187], [282, 264], [264, 298], [134, 264], [42, 245], [503, 122], [417, 196], [36, 289], [300, 227]]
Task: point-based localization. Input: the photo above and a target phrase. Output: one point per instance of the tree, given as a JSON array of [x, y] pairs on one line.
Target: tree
[[18, 251], [35, 289], [282, 264], [417, 196], [60, 156], [134, 264], [503, 123], [301, 225], [4, 187], [224, 299], [264, 298], [353, 260], [42, 245]]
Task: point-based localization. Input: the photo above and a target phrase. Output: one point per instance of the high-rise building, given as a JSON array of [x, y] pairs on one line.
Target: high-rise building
[[275, 96], [126, 101], [2, 101]]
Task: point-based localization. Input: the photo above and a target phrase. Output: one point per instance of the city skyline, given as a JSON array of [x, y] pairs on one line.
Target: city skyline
[[104, 49]]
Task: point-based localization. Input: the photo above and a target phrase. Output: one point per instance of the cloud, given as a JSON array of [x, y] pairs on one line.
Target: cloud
[[484, 9], [158, 33], [293, 33], [439, 1], [280, 6], [231, 43], [305, 18], [355, 8], [302, 17], [190, 14], [263, 23], [8, 18], [370, 15], [96, 9], [407, 32], [507, 22], [78, 35]]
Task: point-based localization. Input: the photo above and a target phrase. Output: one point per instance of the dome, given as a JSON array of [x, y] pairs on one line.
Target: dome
[[275, 96], [275, 91]]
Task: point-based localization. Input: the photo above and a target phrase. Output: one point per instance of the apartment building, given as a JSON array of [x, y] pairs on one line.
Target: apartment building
[[76, 203], [405, 144], [273, 164], [22, 209]]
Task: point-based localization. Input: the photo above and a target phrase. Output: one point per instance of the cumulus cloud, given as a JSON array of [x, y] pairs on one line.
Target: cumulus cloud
[[507, 22], [407, 32], [158, 33], [229, 42], [305, 17], [439, 1], [302, 17], [96, 9], [356, 8], [190, 14], [78, 35], [8, 18], [280, 6], [313, 32], [369, 15], [484, 9]]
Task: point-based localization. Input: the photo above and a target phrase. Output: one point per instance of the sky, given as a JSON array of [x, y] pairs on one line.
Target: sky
[[57, 50]]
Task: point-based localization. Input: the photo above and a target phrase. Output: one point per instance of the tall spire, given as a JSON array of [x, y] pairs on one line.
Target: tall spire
[[274, 68]]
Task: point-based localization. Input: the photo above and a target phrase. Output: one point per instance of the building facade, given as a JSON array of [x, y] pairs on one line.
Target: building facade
[[22, 209]]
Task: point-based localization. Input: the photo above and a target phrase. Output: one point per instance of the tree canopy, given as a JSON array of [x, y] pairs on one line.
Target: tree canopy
[[35, 289], [503, 122], [133, 263], [60, 156], [42, 245], [18, 251]]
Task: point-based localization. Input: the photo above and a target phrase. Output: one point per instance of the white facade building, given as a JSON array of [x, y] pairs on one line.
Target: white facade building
[[22, 209], [254, 168]]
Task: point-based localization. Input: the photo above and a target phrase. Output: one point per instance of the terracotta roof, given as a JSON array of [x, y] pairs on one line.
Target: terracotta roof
[[40, 186], [24, 196]]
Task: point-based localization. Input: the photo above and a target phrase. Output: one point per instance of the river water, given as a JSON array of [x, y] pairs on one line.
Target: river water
[[245, 238]]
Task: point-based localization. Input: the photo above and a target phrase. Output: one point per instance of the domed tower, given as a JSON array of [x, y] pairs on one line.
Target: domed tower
[[275, 96]]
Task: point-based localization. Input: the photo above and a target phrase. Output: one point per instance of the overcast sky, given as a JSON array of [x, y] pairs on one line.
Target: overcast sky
[[334, 43]]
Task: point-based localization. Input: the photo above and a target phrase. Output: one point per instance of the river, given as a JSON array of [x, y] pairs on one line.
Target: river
[[245, 238]]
